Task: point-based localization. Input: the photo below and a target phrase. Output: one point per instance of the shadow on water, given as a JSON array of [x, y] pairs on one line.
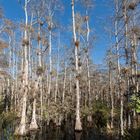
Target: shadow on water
[[52, 132], [59, 134]]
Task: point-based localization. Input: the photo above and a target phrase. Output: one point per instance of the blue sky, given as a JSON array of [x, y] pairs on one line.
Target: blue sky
[[99, 18]]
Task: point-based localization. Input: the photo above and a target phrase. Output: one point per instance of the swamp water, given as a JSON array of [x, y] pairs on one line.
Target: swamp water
[[58, 133]]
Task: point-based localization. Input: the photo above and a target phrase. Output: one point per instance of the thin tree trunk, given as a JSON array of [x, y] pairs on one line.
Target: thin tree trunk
[[40, 76], [78, 125], [56, 85], [89, 118], [64, 85], [134, 68], [50, 59], [111, 95], [120, 93]]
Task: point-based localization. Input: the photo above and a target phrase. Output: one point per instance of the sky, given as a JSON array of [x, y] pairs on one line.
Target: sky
[[100, 17]]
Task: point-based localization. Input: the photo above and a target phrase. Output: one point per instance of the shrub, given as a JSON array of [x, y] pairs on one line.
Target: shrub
[[7, 118], [101, 114]]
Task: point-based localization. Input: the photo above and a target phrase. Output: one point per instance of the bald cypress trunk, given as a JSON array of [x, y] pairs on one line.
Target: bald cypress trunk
[[33, 124], [111, 96], [120, 93], [78, 124], [50, 66], [22, 127]]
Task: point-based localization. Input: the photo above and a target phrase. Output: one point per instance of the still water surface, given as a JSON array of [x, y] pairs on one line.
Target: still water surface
[[58, 134]]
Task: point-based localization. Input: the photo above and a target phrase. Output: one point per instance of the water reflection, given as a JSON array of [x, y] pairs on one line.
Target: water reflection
[[33, 136], [78, 135], [61, 134]]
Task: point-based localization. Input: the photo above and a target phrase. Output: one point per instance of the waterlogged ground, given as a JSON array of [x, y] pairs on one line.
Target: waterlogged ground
[[58, 134]]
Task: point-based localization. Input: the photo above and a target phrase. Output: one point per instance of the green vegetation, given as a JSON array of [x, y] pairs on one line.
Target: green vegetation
[[8, 118], [100, 114], [135, 102]]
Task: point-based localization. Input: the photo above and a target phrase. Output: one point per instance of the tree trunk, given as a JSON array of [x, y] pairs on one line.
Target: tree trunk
[[120, 93], [56, 84], [64, 86], [33, 125], [78, 125], [111, 95], [22, 127], [89, 118], [50, 59]]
